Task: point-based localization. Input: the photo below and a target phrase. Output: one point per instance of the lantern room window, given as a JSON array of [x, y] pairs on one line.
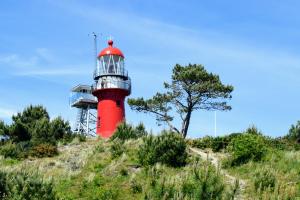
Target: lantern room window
[[111, 64]]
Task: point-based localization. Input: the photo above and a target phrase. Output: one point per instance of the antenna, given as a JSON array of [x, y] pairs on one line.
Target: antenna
[[95, 48]]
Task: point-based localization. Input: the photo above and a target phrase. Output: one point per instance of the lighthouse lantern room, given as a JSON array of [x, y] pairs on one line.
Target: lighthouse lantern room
[[112, 85]]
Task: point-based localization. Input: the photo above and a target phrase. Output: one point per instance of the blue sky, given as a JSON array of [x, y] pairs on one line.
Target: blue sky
[[45, 50]]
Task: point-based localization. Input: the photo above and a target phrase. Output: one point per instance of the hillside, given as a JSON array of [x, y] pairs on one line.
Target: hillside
[[92, 170]]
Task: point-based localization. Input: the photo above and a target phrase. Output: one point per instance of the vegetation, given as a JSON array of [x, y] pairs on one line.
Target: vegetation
[[246, 147], [32, 133], [294, 133], [126, 131], [22, 185], [192, 88], [168, 148], [136, 165]]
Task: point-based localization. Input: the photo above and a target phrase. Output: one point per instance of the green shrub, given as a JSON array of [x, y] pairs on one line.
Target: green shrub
[[22, 185], [247, 147], [206, 183], [126, 131], [203, 181], [60, 129], [294, 133], [4, 129], [203, 143], [41, 132], [117, 148], [44, 150], [264, 179], [9, 150], [3, 185], [218, 143], [140, 130], [253, 130], [19, 132], [168, 148]]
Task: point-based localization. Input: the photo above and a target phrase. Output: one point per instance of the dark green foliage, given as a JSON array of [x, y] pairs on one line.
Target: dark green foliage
[[117, 148], [60, 129], [247, 147], [44, 150], [168, 148], [31, 114], [140, 130], [126, 131], [22, 185], [191, 88], [207, 183], [4, 129], [19, 132], [202, 143], [41, 132], [216, 144], [294, 133], [33, 128], [264, 179]]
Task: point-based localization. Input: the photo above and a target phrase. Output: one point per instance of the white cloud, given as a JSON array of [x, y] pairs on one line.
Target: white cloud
[[199, 45], [17, 61]]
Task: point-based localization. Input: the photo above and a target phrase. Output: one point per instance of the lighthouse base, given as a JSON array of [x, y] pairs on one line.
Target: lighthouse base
[[111, 110]]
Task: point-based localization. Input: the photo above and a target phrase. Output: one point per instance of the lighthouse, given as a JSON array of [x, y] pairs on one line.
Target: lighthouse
[[111, 86]]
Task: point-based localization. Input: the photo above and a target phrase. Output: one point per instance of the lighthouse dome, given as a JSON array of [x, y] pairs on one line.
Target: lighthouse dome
[[110, 50]]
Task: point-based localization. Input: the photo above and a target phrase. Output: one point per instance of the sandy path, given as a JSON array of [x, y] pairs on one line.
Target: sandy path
[[216, 162]]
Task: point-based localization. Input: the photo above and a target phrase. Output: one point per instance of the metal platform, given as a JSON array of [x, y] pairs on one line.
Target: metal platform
[[86, 103]]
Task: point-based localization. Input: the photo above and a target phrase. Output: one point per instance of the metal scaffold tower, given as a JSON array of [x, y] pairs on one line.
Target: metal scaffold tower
[[82, 99]]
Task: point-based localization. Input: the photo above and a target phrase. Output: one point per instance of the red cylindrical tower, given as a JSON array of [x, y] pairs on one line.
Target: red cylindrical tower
[[112, 85]]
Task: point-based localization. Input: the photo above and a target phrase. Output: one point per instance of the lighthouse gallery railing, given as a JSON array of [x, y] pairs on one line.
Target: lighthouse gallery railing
[[111, 83]]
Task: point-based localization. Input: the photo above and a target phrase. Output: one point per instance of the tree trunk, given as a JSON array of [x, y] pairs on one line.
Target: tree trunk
[[186, 122]]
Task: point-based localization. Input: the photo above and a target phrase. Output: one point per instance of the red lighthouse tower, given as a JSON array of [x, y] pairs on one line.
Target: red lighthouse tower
[[112, 85]]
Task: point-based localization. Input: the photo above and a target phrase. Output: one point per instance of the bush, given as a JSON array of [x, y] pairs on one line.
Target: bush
[[19, 132], [264, 179], [216, 144], [168, 148], [203, 143], [117, 148], [140, 130], [60, 129], [4, 129], [41, 133], [202, 181], [206, 183], [294, 133], [126, 131], [247, 147], [9, 150], [44, 150], [22, 185], [15, 151]]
